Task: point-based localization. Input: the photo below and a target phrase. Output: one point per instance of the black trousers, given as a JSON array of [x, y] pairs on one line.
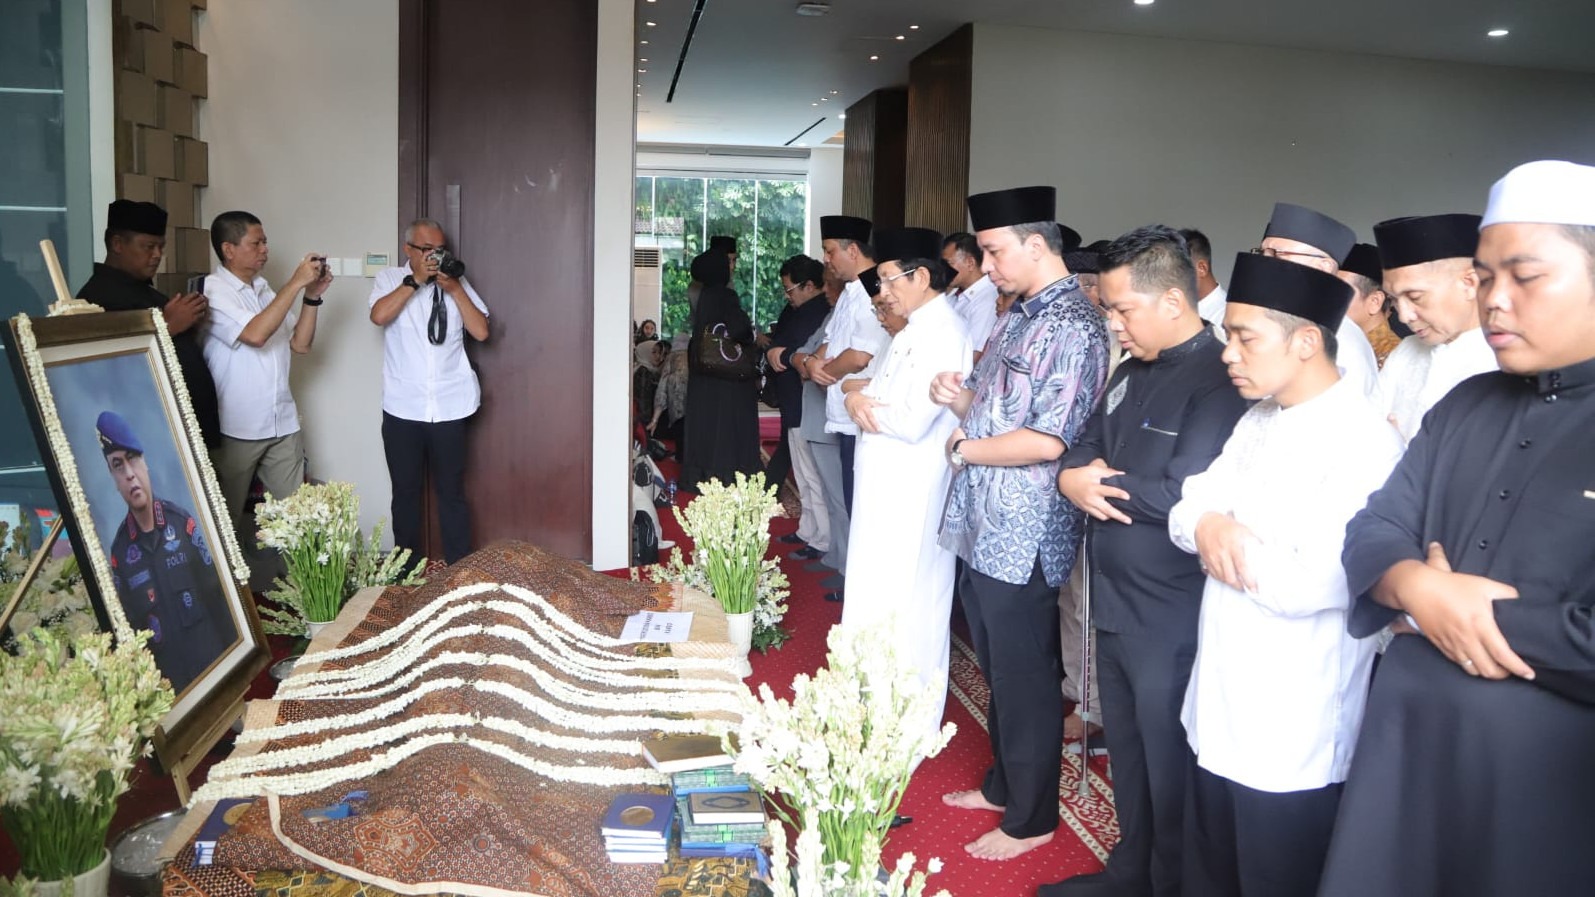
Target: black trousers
[[1015, 631], [780, 466], [413, 449], [849, 448], [1142, 679], [1241, 842]]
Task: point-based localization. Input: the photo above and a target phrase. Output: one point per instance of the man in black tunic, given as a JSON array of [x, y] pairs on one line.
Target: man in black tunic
[[1167, 412], [135, 240], [1472, 774]]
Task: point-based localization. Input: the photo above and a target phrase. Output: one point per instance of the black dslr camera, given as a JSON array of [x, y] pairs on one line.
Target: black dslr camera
[[448, 263]]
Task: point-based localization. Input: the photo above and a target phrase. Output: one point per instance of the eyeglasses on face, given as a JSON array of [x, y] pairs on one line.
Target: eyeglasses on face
[[1271, 252], [426, 249]]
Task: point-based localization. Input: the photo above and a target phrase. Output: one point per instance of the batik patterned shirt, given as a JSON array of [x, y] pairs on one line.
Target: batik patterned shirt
[[1043, 369]]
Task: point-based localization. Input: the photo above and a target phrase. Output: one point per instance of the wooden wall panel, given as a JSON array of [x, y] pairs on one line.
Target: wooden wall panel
[[510, 134], [937, 167], [874, 157]]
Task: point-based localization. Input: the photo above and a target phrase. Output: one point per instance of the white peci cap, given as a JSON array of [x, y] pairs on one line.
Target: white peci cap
[[1547, 192]]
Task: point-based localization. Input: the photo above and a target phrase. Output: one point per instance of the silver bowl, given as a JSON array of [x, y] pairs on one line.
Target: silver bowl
[[135, 854]]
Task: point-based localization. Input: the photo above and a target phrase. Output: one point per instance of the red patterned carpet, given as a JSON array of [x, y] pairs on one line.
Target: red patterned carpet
[[1088, 830]]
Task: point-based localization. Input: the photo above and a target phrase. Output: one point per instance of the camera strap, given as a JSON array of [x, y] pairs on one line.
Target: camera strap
[[437, 328]]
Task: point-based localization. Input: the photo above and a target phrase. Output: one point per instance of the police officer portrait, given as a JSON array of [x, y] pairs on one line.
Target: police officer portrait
[[163, 567]]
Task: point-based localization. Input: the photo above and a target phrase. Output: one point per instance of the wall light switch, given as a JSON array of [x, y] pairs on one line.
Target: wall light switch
[[352, 267], [335, 265]]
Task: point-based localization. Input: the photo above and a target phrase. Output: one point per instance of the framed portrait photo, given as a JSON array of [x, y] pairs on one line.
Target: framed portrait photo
[[143, 510]]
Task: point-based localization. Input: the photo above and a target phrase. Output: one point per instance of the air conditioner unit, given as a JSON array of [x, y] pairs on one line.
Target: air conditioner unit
[[645, 284]]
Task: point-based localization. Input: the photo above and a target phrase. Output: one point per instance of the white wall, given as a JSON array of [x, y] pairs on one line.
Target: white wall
[[1137, 130], [825, 191], [301, 121], [615, 127]]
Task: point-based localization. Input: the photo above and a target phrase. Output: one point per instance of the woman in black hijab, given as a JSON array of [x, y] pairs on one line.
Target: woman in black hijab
[[722, 420]]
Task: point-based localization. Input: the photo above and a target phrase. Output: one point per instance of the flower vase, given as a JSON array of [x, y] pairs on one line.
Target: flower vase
[[313, 629], [739, 631], [94, 883]]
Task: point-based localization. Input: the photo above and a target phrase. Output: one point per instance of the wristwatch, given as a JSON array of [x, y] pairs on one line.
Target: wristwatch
[[313, 302], [957, 457], [411, 282]]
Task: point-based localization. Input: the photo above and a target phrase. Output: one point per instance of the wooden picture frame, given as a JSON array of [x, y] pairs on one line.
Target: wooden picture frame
[[123, 449]]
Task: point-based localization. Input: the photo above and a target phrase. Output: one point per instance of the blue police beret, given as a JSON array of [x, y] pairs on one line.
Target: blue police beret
[[116, 435]]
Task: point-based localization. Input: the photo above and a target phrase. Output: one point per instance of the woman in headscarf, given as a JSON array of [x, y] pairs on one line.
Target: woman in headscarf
[[722, 430], [670, 398], [645, 377]]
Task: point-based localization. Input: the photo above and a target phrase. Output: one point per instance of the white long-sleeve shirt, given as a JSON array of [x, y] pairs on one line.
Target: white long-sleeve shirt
[[1277, 690], [977, 305], [1417, 375], [852, 325]]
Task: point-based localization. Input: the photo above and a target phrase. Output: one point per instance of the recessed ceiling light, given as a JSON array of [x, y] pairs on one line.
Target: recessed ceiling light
[[814, 104], [900, 37], [833, 93], [841, 115], [1143, 2], [1497, 32], [913, 28], [651, 24], [803, 144], [873, 58], [645, 43], [644, 59], [642, 71], [825, 99]]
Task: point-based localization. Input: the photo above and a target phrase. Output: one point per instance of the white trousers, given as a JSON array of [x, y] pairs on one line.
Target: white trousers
[[814, 524]]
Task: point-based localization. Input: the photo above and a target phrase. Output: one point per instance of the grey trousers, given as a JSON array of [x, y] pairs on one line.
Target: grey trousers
[[1071, 616], [279, 462], [828, 462]]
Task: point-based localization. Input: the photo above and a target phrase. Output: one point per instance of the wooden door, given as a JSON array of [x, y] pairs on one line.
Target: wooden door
[[496, 117]]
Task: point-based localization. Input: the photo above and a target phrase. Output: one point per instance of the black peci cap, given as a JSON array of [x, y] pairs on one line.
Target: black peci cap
[[844, 227], [1426, 238], [1291, 288], [1005, 208], [1316, 229], [1364, 260]]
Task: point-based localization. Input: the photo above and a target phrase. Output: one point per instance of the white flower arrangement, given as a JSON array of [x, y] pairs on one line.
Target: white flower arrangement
[[815, 879], [77, 713], [769, 607], [317, 531], [841, 751], [730, 529], [57, 598]]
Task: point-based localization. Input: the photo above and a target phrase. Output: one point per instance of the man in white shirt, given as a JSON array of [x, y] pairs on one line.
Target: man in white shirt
[[1277, 690], [896, 566], [1301, 235], [1428, 269], [253, 334], [428, 386], [1211, 305], [971, 293], [853, 336]]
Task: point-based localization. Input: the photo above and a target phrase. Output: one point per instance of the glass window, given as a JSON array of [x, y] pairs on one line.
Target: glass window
[[43, 195], [678, 215]]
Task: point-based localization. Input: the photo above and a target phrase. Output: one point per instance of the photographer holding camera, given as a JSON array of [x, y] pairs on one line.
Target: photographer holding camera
[[252, 336], [426, 308]]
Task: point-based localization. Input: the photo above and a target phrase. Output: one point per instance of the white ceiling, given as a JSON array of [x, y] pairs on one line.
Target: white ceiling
[[757, 72]]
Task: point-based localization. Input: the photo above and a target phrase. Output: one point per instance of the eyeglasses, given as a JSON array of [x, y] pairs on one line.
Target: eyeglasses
[[788, 290], [897, 276], [426, 249], [1271, 252]]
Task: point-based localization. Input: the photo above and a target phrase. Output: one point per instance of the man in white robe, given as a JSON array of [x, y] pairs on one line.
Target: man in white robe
[[1428, 269], [895, 569], [1277, 690]]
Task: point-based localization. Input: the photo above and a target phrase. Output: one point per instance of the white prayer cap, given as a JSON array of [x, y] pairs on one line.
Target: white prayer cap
[[1544, 192]]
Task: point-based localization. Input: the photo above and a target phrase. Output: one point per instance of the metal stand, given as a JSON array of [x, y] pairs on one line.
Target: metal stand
[[1086, 716]]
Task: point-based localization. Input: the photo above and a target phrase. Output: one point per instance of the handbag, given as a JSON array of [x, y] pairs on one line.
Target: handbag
[[723, 357]]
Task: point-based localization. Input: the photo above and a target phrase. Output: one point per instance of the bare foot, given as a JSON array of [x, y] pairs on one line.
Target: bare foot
[[999, 845], [969, 800]]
